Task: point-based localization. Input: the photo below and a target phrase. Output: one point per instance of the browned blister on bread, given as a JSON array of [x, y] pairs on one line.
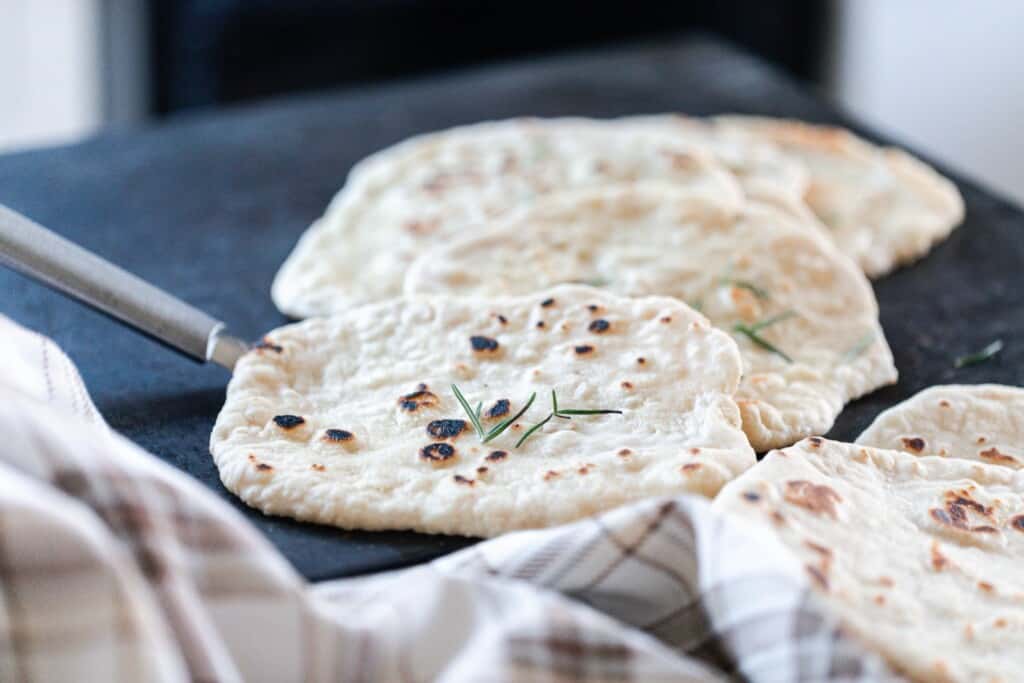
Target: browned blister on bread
[[918, 555]]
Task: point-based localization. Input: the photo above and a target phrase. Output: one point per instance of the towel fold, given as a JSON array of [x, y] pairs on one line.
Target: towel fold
[[116, 567]]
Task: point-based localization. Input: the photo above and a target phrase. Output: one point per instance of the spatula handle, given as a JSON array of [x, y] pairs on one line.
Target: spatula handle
[[31, 249]]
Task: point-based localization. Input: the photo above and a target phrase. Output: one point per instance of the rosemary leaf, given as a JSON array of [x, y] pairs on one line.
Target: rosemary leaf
[[504, 424], [499, 429], [758, 326], [752, 335], [866, 340], [747, 285], [572, 411], [751, 332], [554, 407], [531, 430], [981, 356], [592, 282], [473, 416]]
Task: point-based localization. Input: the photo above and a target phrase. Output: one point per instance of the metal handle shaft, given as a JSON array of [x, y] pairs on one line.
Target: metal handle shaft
[[31, 249]]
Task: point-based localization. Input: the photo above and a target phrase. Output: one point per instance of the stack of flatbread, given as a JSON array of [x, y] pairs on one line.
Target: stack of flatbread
[[700, 283], [516, 324]]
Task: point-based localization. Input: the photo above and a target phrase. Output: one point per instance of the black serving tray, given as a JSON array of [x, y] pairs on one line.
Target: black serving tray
[[207, 207]]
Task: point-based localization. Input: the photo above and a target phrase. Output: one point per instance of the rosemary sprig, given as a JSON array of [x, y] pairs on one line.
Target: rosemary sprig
[[726, 280], [751, 332], [498, 429], [564, 414], [865, 341], [747, 285], [785, 315], [474, 416], [761, 341], [981, 356], [554, 407], [592, 282], [558, 412], [504, 424], [529, 432]]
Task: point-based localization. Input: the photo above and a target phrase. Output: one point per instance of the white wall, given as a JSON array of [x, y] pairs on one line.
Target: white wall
[[944, 75], [49, 71]]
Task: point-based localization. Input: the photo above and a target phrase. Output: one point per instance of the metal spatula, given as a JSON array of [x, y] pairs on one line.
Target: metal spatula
[[31, 249]]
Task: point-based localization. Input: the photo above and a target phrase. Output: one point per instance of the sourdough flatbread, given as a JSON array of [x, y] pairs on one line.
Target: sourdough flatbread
[[739, 266], [983, 422], [430, 188], [350, 420], [883, 207], [920, 556]]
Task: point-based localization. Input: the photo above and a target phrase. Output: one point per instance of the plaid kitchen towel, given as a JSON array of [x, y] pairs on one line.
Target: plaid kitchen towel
[[117, 567]]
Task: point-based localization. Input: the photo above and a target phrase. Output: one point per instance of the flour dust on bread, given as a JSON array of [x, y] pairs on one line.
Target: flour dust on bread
[[432, 188], [351, 420], [883, 207], [804, 316], [919, 556], [983, 422]]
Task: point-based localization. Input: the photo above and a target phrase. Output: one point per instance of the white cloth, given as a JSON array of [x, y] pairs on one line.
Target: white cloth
[[116, 567]]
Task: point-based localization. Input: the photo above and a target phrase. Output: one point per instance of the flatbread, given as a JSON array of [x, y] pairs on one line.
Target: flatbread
[[736, 265], [920, 556], [883, 207], [984, 422], [428, 189], [401, 455], [762, 169]]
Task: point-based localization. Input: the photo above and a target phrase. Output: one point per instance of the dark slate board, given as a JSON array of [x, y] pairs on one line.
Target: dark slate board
[[208, 206]]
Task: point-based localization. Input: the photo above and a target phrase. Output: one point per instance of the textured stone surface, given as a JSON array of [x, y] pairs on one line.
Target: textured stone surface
[[208, 206]]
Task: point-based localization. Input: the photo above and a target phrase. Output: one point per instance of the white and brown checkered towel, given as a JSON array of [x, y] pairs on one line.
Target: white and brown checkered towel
[[117, 567]]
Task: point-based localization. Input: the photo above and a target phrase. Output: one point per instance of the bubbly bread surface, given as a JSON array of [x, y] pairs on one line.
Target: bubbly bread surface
[[351, 420], [880, 206], [883, 207], [804, 316], [920, 556], [983, 422], [433, 187]]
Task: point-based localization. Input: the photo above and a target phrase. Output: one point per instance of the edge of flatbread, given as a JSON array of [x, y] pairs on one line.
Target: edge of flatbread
[[983, 422], [741, 265], [432, 187], [919, 556], [883, 234]]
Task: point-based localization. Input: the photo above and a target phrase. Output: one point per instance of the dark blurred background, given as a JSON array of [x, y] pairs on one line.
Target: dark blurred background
[[944, 75], [211, 52]]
